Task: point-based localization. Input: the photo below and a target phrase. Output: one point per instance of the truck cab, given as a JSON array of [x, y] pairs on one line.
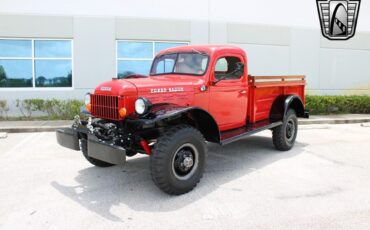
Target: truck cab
[[192, 95], [217, 76]]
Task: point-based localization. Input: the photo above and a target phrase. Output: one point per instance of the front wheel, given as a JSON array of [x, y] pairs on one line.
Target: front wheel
[[178, 158], [284, 136]]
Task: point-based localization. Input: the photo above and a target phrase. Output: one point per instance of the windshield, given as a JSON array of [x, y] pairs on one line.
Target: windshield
[[180, 63]]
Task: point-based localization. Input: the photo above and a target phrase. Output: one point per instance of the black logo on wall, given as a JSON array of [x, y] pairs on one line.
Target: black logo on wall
[[338, 18]]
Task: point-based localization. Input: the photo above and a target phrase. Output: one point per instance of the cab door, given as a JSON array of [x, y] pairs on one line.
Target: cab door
[[229, 92]]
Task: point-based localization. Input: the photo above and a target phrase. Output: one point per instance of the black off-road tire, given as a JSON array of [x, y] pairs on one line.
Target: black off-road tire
[[164, 160], [93, 161], [282, 138]]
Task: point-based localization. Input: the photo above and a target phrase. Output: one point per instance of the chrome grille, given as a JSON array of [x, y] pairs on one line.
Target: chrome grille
[[104, 106]]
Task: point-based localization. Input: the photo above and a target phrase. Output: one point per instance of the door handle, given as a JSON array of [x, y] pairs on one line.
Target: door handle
[[243, 92]]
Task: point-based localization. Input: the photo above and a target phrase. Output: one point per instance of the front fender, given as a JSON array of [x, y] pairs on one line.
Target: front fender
[[163, 115]]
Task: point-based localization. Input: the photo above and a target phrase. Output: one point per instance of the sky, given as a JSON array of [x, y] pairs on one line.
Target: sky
[[292, 13]]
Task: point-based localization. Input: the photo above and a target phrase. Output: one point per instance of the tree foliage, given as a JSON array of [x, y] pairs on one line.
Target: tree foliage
[[2, 74]]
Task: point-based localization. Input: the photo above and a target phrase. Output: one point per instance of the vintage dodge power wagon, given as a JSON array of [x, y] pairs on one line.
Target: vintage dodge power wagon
[[192, 95]]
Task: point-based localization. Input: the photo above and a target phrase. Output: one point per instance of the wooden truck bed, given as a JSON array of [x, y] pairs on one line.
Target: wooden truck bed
[[262, 93], [265, 89]]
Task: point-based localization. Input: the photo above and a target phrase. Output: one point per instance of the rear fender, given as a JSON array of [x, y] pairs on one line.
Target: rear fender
[[283, 103]]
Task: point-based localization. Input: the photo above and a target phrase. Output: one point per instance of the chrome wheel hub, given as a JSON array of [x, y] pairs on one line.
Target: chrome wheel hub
[[188, 162], [185, 161]]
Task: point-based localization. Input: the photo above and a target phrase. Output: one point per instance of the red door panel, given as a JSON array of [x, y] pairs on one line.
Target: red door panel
[[228, 103]]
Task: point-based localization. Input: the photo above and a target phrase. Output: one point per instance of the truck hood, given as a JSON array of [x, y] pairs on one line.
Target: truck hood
[[177, 89], [116, 88]]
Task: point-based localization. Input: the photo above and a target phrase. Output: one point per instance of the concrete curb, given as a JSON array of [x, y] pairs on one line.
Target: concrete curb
[[333, 121], [32, 129], [328, 121]]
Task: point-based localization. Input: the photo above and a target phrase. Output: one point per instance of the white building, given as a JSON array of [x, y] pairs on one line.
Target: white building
[[62, 50]]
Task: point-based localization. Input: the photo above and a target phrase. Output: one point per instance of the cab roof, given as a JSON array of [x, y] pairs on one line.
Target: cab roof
[[209, 49]]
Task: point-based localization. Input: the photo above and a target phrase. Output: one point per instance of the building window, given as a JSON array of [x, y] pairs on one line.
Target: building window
[[35, 63], [135, 57]]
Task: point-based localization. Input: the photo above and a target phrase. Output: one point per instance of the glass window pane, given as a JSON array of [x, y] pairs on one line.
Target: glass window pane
[[53, 73], [228, 68], [159, 46], [191, 63], [15, 48], [15, 73], [53, 48], [132, 67], [164, 64], [221, 65], [134, 49]]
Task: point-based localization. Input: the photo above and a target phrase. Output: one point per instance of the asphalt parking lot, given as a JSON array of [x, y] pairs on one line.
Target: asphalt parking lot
[[324, 182]]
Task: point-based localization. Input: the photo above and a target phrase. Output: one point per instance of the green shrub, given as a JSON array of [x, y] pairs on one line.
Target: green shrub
[[3, 108], [51, 107], [54, 108], [338, 104], [67, 109], [27, 106]]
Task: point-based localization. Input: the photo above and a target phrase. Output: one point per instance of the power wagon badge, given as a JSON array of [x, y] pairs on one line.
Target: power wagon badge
[[338, 18], [165, 90]]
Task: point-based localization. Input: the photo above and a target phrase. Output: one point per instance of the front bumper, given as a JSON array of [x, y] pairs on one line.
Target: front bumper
[[68, 138], [97, 149]]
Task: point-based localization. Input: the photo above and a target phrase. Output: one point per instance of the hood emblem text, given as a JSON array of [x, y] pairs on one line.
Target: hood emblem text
[[105, 88], [165, 90]]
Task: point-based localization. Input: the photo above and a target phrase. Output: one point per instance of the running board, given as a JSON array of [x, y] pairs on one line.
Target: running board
[[236, 134]]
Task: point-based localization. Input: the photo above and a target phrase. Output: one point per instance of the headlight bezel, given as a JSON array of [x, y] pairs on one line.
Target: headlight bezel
[[145, 106], [87, 99]]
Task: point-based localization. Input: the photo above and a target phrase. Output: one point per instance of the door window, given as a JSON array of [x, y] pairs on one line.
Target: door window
[[228, 68]]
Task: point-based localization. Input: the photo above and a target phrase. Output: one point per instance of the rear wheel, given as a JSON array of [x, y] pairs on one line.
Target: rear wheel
[[178, 158], [93, 161], [284, 136]]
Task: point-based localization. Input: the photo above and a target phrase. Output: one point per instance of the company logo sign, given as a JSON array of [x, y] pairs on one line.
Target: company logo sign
[[338, 18]]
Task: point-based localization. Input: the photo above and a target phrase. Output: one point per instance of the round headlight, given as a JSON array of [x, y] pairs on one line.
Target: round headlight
[[142, 106], [87, 99]]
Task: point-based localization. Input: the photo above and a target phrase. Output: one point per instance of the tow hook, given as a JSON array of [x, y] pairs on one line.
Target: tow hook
[[144, 144], [89, 126]]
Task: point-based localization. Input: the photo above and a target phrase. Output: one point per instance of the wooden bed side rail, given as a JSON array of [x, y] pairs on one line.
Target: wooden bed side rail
[[268, 81], [275, 78]]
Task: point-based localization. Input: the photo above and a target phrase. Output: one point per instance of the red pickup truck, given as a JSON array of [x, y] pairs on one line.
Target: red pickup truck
[[193, 95]]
